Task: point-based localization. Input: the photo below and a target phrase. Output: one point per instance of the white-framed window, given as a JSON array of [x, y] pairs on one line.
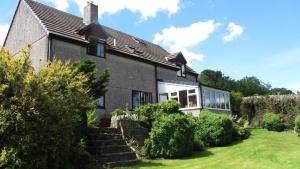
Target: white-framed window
[[163, 97], [174, 96], [192, 98], [182, 71], [216, 99], [140, 98]]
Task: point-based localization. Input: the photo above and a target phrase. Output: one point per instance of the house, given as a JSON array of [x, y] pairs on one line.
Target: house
[[140, 72]]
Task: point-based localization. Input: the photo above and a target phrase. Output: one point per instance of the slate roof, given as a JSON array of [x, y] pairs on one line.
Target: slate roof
[[67, 25]]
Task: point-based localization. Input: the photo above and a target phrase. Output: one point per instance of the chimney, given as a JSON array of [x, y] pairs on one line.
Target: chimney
[[90, 14]]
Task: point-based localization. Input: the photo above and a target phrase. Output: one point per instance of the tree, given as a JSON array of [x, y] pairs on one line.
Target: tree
[[216, 79], [250, 86], [98, 85], [280, 91], [40, 113]]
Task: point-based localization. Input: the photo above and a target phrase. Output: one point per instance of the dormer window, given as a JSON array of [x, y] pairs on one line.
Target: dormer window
[[182, 71], [96, 48]]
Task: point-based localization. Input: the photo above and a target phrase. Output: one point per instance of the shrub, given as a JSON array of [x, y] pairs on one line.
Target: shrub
[[149, 112], [169, 107], [172, 136], [215, 129], [198, 143], [118, 112], [41, 113], [91, 119], [273, 122], [240, 131], [297, 125]]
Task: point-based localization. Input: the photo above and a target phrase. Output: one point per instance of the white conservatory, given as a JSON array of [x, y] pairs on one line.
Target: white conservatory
[[193, 98]]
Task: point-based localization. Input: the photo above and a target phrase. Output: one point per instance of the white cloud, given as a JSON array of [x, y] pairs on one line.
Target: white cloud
[[60, 4], [3, 33], [182, 39], [234, 31], [147, 8]]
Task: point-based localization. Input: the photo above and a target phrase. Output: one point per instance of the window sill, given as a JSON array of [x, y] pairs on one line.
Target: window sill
[[190, 108]]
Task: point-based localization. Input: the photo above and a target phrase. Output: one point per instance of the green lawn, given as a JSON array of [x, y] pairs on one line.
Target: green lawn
[[263, 150]]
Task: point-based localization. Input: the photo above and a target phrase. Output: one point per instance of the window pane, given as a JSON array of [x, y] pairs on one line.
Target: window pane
[[163, 97], [179, 73], [227, 101], [222, 101], [100, 102], [192, 91], [183, 70], [193, 101], [183, 98], [135, 99], [100, 50], [212, 99], [218, 101], [174, 94]]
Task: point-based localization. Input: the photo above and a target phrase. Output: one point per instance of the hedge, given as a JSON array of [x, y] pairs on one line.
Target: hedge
[[287, 106]]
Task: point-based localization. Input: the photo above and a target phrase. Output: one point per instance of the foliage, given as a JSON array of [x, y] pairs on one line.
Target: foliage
[[215, 129], [91, 119], [240, 131], [235, 102], [287, 106], [98, 86], [118, 112], [198, 143], [250, 86], [281, 91], [172, 136], [273, 122], [41, 113], [149, 112], [216, 79], [297, 125]]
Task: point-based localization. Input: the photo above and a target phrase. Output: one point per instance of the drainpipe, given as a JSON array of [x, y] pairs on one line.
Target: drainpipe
[[156, 84], [201, 96], [49, 48]]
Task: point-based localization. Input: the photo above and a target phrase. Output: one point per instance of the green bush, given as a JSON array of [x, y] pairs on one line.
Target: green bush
[[149, 112], [41, 113], [240, 131], [91, 119], [273, 122], [198, 143], [172, 136], [118, 112], [297, 125], [215, 129]]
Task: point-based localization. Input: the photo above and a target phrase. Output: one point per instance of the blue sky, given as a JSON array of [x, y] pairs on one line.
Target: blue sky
[[240, 38]]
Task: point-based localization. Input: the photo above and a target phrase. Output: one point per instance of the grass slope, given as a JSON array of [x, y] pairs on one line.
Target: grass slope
[[263, 150]]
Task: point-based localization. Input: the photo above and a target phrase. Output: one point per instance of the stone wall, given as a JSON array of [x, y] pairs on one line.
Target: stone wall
[[130, 129]]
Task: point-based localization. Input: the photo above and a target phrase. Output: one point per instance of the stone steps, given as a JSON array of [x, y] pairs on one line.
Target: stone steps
[[113, 157], [121, 163], [109, 148]]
